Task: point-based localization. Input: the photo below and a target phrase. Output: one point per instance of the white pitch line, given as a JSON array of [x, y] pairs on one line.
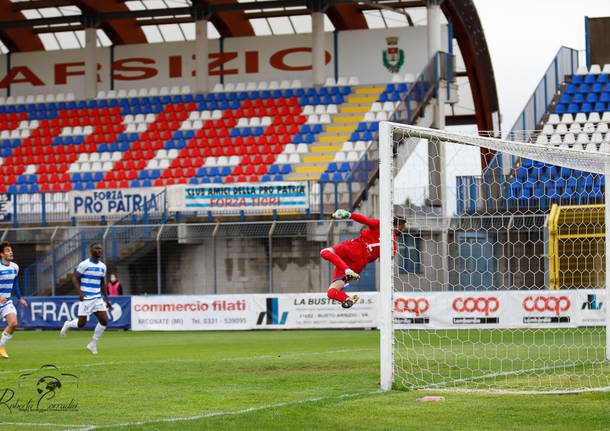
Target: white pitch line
[[509, 373], [164, 361], [27, 424], [229, 413]]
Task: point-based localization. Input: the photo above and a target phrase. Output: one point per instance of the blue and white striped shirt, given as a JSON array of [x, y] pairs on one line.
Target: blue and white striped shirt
[[8, 278], [91, 277]]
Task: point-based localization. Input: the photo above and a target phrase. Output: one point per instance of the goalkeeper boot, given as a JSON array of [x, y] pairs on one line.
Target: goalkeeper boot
[[349, 302], [3, 352], [349, 276]]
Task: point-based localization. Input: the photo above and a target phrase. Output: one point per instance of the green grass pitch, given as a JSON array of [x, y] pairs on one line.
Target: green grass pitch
[[271, 380]]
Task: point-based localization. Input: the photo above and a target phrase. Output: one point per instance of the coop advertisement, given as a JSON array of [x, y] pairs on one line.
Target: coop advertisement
[[500, 309], [234, 198]]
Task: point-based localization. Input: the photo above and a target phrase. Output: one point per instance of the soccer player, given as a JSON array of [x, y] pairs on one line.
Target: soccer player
[[350, 257], [88, 280], [8, 285]]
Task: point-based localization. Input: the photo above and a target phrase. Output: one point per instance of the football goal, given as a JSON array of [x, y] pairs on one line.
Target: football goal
[[499, 279]]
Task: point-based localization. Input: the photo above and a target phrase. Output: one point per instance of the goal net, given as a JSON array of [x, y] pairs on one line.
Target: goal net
[[498, 282]]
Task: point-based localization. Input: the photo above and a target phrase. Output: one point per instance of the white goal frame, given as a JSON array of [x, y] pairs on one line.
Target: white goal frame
[[576, 159]]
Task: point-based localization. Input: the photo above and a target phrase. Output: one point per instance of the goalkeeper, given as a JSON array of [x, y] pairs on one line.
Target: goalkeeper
[[350, 257]]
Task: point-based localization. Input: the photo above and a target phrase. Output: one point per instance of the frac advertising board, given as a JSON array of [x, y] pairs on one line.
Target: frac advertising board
[[50, 312]]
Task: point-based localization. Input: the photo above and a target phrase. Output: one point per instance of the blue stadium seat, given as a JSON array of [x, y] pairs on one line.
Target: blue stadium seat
[[565, 98], [345, 167], [597, 87], [586, 108], [571, 89], [12, 188], [78, 186], [154, 174], [589, 79], [87, 176], [265, 178], [273, 169], [225, 171], [286, 169], [213, 171], [578, 98], [604, 97], [317, 128], [204, 180], [599, 107], [278, 178], [332, 167], [337, 177], [602, 78], [136, 183], [324, 177], [217, 180], [76, 178], [572, 108], [576, 79], [202, 172], [193, 180], [146, 183], [591, 98], [143, 175]]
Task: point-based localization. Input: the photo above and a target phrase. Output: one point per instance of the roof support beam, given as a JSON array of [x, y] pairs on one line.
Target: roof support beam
[[17, 39], [40, 4]]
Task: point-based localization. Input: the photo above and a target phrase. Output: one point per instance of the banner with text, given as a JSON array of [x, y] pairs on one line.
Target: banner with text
[[50, 312], [313, 310], [115, 202], [500, 309], [233, 198], [373, 55], [191, 312]]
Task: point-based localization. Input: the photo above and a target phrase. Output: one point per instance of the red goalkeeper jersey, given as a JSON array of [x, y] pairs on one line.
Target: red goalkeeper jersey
[[358, 252]]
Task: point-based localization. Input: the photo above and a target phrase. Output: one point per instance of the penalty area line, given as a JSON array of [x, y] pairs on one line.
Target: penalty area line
[[228, 413]]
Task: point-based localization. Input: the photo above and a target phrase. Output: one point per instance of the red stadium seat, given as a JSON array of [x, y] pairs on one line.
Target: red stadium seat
[[245, 160], [253, 179], [124, 184], [229, 179], [238, 170], [269, 159], [261, 170], [242, 179]]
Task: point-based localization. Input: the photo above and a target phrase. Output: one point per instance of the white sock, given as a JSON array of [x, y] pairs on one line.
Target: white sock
[[72, 323], [97, 332], [4, 339]]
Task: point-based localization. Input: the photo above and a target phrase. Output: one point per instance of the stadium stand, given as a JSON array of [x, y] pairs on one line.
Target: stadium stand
[[148, 138], [578, 119]]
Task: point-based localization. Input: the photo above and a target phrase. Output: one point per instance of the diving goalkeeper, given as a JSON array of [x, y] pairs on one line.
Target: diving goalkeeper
[[350, 257]]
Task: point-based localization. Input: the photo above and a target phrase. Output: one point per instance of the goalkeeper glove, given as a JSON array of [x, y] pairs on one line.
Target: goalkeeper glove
[[341, 214]]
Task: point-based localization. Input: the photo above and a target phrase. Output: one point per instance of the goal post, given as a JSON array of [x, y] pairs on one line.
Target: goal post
[[490, 292]]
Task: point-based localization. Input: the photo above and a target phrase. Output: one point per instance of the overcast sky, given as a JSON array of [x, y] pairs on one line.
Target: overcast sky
[[524, 36]]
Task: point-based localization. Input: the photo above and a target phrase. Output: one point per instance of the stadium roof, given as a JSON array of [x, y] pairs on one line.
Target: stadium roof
[[35, 25]]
